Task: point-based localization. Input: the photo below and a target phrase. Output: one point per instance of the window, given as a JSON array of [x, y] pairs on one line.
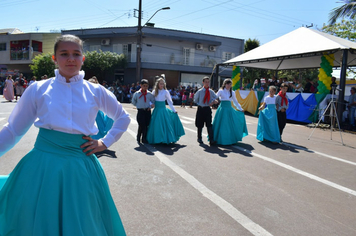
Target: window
[[188, 56], [2, 46], [227, 56], [94, 48]]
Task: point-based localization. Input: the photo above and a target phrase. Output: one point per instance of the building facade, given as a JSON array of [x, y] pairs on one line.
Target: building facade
[[17, 49], [183, 57]]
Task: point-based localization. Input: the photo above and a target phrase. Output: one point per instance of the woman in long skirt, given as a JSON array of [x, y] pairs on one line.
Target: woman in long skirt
[[229, 125], [267, 127], [9, 89], [165, 126], [59, 188]]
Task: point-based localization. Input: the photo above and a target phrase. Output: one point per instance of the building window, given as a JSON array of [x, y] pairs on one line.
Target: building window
[[227, 56], [2, 46], [94, 48], [188, 56]]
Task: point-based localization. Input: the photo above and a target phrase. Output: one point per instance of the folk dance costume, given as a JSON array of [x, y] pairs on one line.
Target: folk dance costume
[[165, 125], [104, 124], [267, 127], [142, 101], [203, 98], [282, 102], [56, 189], [229, 125]]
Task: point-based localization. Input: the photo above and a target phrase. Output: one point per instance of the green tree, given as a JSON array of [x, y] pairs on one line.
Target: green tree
[[346, 10], [43, 64], [251, 44], [252, 73], [345, 29], [103, 64]]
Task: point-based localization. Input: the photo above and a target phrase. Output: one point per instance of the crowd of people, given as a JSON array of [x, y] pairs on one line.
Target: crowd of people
[[14, 86]]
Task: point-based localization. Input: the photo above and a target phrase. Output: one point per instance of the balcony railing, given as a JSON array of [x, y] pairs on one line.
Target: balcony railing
[[22, 55], [179, 59]]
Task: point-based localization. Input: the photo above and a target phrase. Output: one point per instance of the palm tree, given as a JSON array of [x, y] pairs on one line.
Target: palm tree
[[346, 10]]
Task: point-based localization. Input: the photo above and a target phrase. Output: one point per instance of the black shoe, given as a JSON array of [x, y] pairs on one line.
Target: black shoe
[[212, 143], [144, 140], [200, 140]]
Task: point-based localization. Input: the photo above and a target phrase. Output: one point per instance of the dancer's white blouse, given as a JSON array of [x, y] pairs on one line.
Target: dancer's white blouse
[[224, 95], [270, 100], [67, 107], [164, 95]]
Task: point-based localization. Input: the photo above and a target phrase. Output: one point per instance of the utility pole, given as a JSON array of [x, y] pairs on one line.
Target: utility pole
[[139, 39]]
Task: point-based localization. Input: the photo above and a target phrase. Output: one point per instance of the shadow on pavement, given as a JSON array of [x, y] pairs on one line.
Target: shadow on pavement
[[107, 153], [282, 146], [168, 149]]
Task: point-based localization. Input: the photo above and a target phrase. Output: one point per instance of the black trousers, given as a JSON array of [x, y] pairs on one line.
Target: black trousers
[[203, 116], [143, 119], [282, 120]]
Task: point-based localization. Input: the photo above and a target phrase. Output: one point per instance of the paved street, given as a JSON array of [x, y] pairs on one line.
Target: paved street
[[301, 187]]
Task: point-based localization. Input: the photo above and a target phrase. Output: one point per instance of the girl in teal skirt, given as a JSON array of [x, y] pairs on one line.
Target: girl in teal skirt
[[267, 127], [229, 125], [59, 187], [165, 125]]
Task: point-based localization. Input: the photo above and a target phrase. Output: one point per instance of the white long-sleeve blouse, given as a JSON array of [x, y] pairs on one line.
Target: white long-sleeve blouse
[[67, 107], [164, 95], [224, 95]]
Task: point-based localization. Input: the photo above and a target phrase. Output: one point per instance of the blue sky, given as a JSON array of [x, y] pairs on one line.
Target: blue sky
[[264, 20]]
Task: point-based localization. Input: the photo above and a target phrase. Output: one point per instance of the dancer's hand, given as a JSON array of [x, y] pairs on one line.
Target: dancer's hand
[[92, 146]]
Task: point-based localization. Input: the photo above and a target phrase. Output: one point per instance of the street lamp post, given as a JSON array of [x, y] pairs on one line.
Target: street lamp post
[[139, 38]]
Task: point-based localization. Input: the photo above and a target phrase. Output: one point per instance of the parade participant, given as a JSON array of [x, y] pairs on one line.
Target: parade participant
[[9, 89], [165, 126], [229, 125], [204, 98], [282, 105], [267, 127], [143, 100], [59, 187]]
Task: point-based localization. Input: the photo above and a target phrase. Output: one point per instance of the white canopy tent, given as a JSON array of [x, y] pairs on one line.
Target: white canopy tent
[[299, 49]]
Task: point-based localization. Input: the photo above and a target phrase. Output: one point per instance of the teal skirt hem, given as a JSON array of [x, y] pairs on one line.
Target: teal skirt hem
[[57, 190], [229, 125], [165, 126], [267, 127]]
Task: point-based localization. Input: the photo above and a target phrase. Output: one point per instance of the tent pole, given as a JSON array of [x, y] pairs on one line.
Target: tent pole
[[340, 106], [215, 81]]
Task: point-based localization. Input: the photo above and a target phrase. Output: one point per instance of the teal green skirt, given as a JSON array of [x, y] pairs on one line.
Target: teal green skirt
[[57, 190], [267, 127], [229, 125], [165, 126]]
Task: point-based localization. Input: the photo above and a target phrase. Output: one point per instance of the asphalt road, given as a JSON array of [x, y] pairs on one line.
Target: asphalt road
[[301, 187]]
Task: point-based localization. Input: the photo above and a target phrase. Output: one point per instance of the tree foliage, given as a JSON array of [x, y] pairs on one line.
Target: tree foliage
[[43, 64], [346, 10], [101, 64], [251, 44], [345, 29]]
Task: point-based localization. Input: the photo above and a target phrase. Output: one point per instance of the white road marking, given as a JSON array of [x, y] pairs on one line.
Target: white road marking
[[240, 218], [187, 118], [2, 119], [306, 174], [185, 122], [316, 152]]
